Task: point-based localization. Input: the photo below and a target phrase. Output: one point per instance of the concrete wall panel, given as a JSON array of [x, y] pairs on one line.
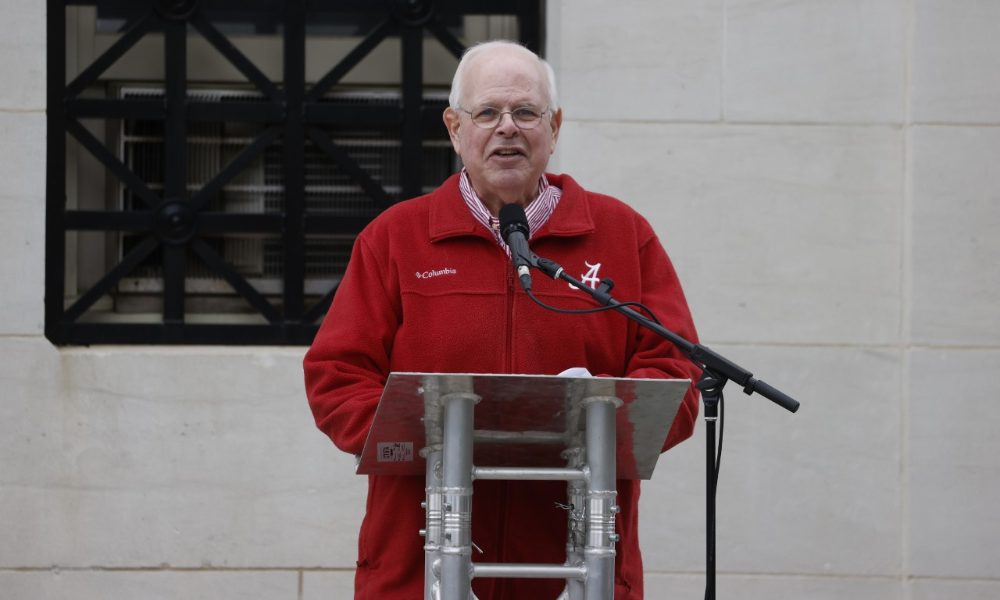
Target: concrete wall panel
[[669, 68], [937, 589], [828, 472], [147, 464], [953, 467], [955, 249], [326, 585], [956, 54], [815, 61], [22, 58], [149, 585], [779, 234], [22, 221], [763, 587]]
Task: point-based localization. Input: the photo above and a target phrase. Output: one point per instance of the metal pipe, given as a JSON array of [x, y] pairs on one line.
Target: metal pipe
[[529, 473], [434, 531], [456, 476], [528, 570], [599, 553], [486, 436]]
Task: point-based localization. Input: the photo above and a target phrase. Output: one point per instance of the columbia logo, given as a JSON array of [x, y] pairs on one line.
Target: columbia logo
[[437, 273]]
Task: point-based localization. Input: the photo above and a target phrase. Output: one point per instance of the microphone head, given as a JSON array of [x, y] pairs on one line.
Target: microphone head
[[512, 218]]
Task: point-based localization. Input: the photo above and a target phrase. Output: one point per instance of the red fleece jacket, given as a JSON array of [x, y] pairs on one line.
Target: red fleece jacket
[[429, 290]]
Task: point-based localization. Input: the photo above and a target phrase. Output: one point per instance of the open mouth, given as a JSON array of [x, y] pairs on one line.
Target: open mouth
[[508, 152]]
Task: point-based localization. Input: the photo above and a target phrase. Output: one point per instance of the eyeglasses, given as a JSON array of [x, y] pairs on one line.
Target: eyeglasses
[[524, 117]]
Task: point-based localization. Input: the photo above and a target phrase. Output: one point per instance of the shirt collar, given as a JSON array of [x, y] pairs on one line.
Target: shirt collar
[[537, 211]]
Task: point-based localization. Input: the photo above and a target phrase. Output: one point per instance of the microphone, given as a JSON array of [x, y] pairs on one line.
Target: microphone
[[514, 230]]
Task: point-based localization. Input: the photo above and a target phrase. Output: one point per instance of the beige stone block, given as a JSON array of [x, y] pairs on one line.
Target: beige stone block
[[642, 60], [149, 585], [22, 58], [954, 465], [785, 234], [814, 493], [955, 289], [815, 61], [956, 58], [22, 221], [948, 589], [22, 265], [326, 585], [179, 456], [768, 587]]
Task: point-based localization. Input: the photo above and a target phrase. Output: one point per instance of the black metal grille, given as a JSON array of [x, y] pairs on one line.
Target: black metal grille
[[246, 190]]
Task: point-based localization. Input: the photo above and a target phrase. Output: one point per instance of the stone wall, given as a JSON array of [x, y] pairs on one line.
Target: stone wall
[[824, 176]]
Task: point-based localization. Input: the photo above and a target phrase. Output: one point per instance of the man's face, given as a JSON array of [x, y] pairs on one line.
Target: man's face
[[505, 162]]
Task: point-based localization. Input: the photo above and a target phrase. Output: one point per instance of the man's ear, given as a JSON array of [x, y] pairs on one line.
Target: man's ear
[[452, 121], [556, 124]]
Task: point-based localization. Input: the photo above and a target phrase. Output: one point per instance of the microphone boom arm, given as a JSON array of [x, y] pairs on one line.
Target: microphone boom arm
[[707, 358]]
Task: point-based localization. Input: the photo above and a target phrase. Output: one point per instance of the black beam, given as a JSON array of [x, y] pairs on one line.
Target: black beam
[[106, 220], [87, 333], [175, 167], [530, 25], [321, 223], [214, 223], [112, 108], [55, 170], [411, 152], [293, 240], [361, 115], [240, 112]]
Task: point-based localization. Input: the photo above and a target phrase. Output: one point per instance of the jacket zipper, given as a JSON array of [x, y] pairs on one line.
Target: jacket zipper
[[501, 584], [509, 343]]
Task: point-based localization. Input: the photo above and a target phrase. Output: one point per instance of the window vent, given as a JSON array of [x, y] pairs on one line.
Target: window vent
[[259, 189]]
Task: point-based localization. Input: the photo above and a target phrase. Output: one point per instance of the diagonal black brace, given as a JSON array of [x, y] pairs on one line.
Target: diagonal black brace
[[112, 54], [382, 31], [447, 39], [117, 167], [371, 187], [128, 263], [317, 310], [237, 58], [234, 279], [235, 166]]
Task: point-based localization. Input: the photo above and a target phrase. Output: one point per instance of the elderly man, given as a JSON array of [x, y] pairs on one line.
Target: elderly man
[[430, 288]]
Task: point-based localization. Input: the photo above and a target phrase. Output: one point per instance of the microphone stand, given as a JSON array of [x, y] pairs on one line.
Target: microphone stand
[[716, 372]]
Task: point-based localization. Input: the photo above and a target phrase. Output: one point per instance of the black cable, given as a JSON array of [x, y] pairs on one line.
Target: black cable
[[585, 311], [721, 424]]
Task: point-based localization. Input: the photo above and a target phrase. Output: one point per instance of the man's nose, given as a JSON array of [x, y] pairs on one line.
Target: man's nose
[[507, 126]]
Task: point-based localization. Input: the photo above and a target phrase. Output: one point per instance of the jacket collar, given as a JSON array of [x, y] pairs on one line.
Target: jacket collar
[[450, 217]]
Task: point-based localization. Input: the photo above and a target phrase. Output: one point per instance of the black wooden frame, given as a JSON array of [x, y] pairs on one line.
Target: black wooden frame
[[175, 220]]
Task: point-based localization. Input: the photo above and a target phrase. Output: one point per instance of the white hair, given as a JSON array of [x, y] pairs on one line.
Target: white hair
[[473, 51]]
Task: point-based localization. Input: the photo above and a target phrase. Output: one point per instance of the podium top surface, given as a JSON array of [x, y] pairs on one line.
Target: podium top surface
[[520, 420]]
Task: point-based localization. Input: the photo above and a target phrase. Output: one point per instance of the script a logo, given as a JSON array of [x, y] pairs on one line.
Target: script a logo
[[590, 277]]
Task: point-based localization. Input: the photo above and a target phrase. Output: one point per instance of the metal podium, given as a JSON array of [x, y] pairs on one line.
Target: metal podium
[[455, 428]]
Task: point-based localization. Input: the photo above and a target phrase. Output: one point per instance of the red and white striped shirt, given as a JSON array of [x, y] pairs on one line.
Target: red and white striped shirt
[[537, 211]]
